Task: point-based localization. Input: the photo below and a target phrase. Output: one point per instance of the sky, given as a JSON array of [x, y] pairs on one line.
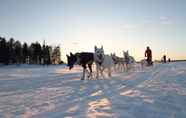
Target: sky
[[79, 25]]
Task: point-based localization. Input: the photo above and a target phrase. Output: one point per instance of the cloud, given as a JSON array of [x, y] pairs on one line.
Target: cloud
[[128, 27], [166, 20]]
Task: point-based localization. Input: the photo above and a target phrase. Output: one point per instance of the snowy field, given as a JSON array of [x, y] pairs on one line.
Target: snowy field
[[55, 92]]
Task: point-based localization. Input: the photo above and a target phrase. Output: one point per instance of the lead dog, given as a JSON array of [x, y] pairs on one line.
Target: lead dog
[[102, 62], [82, 59]]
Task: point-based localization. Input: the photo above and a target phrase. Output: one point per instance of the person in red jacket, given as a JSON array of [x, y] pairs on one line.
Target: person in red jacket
[[148, 54]]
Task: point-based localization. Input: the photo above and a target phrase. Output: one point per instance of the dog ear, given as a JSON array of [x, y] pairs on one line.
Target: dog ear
[[95, 48], [71, 54], [67, 55], [102, 47]]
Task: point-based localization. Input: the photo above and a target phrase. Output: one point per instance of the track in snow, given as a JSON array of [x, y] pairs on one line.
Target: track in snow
[[55, 92]]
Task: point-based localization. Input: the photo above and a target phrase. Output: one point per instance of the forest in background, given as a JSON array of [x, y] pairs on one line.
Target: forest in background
[[14, 52]]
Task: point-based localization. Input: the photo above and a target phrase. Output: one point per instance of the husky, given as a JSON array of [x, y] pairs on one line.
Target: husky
[[129, 60], [83, 59], [118, 62], [102, 62]]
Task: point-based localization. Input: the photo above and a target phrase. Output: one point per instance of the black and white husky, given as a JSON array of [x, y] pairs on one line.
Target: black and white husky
[[83, 59], [102, 62]]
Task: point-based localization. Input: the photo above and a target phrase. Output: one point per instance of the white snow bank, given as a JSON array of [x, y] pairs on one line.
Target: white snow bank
[[55, 92]]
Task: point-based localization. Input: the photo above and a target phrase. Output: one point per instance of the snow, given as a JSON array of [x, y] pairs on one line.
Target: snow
[[32, 91]]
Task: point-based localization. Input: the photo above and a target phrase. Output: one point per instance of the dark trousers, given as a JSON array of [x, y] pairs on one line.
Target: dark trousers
[[149, 60]]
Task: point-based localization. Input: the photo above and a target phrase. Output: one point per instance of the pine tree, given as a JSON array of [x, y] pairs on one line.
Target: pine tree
[[25, 52], [36, 52], [18, 52], [11, 47], [4, 53]]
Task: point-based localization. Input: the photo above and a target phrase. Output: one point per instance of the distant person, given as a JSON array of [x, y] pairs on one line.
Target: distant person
[[148, 54], [164, 58], [169, 60]]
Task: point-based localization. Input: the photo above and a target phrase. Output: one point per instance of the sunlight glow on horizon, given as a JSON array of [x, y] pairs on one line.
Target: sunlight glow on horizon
[[121, 38], [79, 25]]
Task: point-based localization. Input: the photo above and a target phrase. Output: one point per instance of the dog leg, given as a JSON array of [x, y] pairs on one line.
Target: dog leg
[[88, 73], [101, 72], [109, 72], [123, 67], [84, 69], [127, 67], [83, 77], [97, 71], [90, 68]]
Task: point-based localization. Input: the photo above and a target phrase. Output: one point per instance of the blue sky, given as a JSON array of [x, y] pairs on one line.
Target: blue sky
[[78, 25]]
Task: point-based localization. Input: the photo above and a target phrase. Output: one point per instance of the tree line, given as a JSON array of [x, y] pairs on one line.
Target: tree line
[[13, 52]]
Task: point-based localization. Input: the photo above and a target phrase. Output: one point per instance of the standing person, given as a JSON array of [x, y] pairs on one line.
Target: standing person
[[164, 59], [148, 54], [169, 60]]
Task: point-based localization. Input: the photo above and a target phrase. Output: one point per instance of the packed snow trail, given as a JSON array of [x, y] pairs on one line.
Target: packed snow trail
[[56, 92]]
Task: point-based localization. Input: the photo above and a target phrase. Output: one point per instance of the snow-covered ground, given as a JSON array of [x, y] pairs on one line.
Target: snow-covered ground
[[55, 92]]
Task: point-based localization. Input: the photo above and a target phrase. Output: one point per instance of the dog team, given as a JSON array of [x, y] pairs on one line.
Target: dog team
[[105, 62]]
